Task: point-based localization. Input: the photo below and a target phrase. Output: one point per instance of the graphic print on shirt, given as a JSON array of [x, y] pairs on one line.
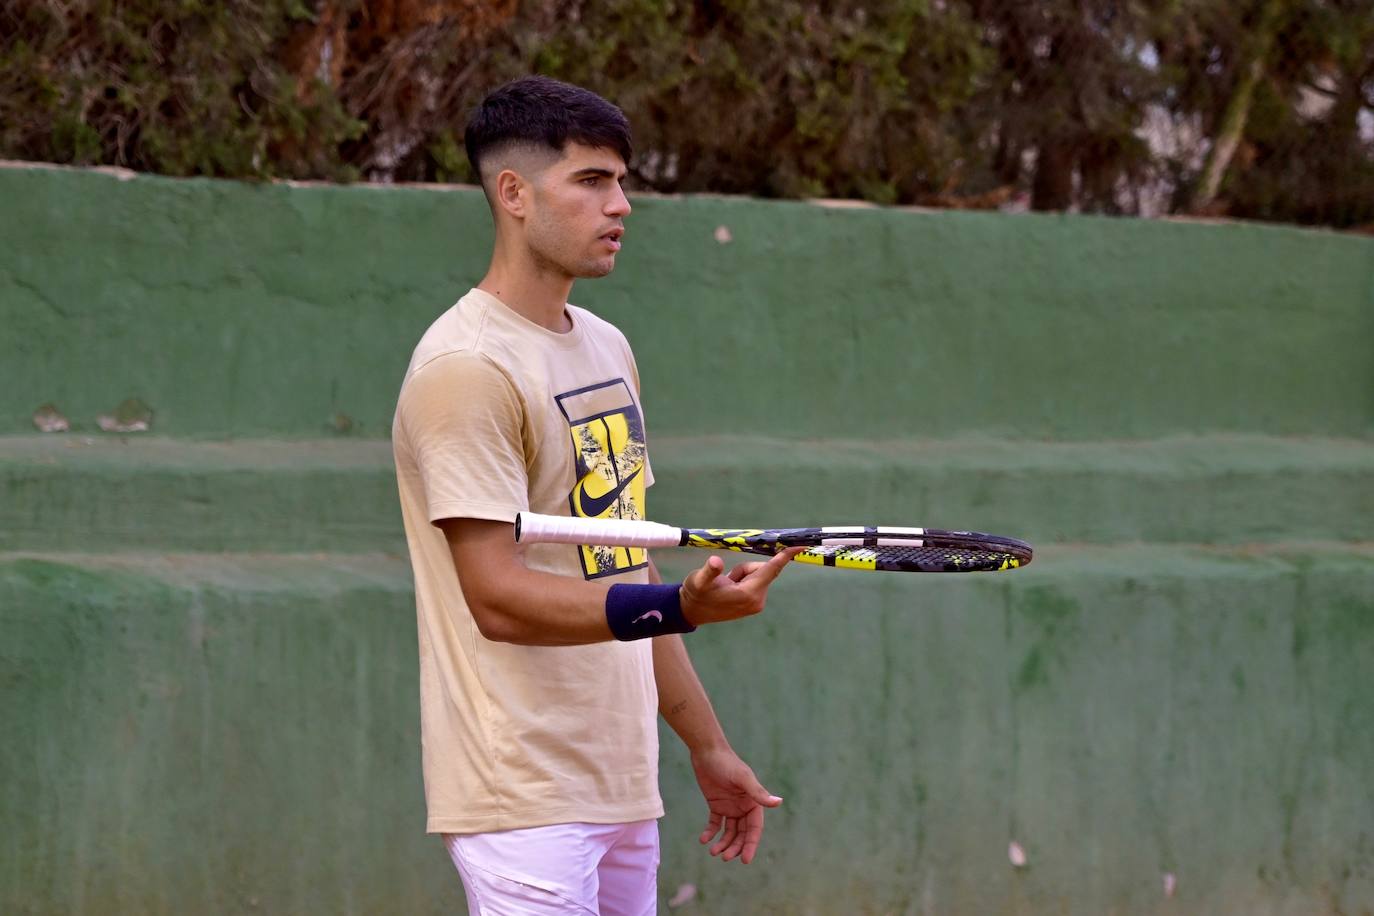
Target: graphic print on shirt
[[608, 453]]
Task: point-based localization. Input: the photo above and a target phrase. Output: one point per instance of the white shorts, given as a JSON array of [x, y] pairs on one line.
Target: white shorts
[[597, 869]]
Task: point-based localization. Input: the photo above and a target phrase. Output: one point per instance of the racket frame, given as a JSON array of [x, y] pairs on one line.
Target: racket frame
[[832, 545]]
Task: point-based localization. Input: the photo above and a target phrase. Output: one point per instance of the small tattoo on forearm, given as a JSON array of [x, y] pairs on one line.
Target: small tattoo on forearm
[[678, 708]]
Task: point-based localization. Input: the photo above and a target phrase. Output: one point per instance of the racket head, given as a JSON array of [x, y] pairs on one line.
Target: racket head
[[876, 548], [889, 558]]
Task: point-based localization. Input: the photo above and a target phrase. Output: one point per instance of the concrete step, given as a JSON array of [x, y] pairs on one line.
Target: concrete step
[[1122, 712], [1225, 489], [115, 493], [67, 492], [265, 700]]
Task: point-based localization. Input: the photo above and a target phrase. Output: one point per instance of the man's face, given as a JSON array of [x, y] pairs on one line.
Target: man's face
[[577, 212]]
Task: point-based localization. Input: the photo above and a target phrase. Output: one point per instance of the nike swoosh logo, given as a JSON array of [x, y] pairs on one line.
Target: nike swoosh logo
[[658, 618], [596, 506]]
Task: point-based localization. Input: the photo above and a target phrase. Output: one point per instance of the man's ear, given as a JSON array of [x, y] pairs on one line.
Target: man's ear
[[511, 192]]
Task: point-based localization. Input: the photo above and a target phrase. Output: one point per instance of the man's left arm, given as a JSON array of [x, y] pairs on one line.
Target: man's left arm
[[734, 796]]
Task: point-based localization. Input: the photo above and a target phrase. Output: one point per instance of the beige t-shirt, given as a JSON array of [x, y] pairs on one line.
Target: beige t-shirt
[[499, 415]]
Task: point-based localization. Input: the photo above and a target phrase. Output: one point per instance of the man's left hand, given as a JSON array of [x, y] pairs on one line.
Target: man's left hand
[[736, 801]]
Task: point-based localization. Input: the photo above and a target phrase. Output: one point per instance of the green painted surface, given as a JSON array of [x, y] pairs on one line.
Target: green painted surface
[[238, 734], [1122, 713], [139, 494], [243, 310], [107, 493], [207, 638], [193, 735]]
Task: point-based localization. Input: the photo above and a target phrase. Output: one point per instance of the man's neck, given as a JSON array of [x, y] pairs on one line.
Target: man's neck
[[540, 296]]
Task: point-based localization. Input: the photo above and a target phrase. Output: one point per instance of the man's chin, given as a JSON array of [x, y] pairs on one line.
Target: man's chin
[[594, 269]]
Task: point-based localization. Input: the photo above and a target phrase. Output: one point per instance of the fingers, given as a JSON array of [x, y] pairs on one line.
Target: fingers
[[777, 562], [767, 572], [765, 798], [742, 570], [752, 835], [748, 835], [712, 826], [727, 837], [736, 847], [709, 571], [706, 600], [739, 836]]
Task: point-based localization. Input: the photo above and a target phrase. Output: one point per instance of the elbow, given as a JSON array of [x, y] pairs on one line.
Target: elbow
[[494, 624]]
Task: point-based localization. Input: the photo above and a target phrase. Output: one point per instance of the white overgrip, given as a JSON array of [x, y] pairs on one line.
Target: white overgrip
[[533, 528]]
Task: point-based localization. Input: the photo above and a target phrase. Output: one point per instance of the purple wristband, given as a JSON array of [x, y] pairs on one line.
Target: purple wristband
[[641, 611]]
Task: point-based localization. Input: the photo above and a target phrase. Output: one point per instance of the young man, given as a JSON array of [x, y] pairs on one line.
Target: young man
[[541, 667]]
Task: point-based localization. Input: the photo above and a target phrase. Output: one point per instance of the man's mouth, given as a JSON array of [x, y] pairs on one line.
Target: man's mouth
[[612, 238]]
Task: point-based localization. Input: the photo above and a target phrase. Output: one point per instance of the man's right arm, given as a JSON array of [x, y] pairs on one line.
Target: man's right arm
[[512, 603]]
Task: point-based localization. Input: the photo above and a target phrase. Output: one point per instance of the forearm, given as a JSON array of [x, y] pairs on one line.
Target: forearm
[[682, 701], [541, 609]]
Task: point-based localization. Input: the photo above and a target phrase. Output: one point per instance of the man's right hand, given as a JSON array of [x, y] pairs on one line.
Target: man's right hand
[[710, 597]]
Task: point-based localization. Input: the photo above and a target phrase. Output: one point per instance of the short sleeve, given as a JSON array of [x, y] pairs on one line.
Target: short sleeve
[[462, 420]]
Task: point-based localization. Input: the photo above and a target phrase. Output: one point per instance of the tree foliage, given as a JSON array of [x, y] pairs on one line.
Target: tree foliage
[[1110, 106]]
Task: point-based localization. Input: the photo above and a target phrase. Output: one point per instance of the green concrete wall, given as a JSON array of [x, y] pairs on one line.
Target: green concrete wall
[[270, 310], [239, 735], [207, 637], [123, 493]]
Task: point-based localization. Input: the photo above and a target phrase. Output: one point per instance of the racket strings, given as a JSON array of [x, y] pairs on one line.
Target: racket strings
[[925, 558]]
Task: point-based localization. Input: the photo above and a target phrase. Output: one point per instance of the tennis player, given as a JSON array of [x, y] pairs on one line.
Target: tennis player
[[541, 667]]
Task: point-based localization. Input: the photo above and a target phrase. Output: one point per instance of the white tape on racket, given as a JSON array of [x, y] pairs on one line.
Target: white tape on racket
[[532, 528]]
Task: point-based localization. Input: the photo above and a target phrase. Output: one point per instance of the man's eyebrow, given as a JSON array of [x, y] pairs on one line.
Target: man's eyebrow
[[594, 170]]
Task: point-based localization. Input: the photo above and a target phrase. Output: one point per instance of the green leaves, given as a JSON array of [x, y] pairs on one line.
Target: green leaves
[[1093, 104]]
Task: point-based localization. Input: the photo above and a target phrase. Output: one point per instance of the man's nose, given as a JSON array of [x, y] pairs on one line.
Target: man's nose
[[619, 204]]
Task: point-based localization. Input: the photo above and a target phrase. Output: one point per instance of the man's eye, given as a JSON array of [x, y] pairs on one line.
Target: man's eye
[[592, 180]]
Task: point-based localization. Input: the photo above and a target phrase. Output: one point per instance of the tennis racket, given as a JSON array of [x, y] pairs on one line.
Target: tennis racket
[[851, 547]]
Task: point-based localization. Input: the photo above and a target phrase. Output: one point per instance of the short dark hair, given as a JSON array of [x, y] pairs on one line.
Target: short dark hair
[[539, 111]]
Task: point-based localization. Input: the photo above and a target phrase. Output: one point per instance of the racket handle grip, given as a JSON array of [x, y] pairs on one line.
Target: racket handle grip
[[532, 528]]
